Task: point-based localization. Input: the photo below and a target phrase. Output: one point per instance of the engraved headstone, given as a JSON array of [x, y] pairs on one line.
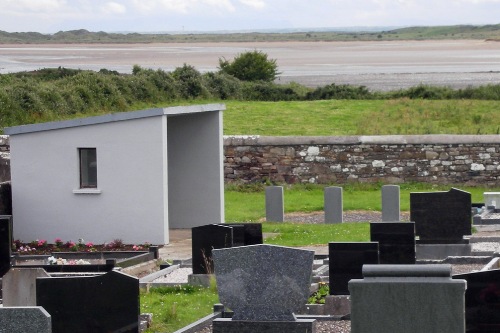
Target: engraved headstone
[[263, 282], [441, 217], [396, 241], [103, 303], [206, 238], [482, 300], [346, 263], [26, 319]]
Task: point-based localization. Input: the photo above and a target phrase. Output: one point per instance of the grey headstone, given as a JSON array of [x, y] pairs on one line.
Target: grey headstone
[[263, 282], [407, 298], [19, 286], [333, 205], [275, 207], [25, 320], [390, 203]]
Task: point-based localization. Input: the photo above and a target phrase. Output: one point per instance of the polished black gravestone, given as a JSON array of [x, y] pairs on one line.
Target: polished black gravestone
[[482, 301], [346, 263], [5, 243], [252, 234], [205, 238], [5, 199], [98, 304], [441, 217], [396, 241]]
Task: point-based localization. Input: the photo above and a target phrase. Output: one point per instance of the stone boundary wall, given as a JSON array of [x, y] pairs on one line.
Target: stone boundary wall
[[444, 159]]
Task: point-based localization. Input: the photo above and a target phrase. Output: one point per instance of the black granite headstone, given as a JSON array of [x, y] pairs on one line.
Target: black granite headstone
[[5, 243], [346, 263], [100, 304], [441, 217], [5, 199], [252, 233], [482, 301], [206, 238], [396, 241]]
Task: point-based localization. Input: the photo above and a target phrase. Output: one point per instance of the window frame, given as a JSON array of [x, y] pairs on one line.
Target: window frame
[[87, 160]]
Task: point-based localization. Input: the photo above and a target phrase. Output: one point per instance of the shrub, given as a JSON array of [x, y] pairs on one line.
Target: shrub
[[267, 91], [250, 66], [344, 91], [190, 82], [223, 86]]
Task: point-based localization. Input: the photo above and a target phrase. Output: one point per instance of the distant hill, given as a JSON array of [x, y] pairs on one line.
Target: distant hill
[[490, 32]]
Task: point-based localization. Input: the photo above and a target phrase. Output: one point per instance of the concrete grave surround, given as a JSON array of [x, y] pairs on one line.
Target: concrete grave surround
[[407, 298], [19, 286], [263, 282], [156, 169], [31, 319]]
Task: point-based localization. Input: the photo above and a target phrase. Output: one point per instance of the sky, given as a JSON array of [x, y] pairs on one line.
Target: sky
[[51, 16]]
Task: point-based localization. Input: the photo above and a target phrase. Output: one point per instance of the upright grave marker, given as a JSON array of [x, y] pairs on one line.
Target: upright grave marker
[[396, 241], [346, 263], [104, 303], [275, 206], [206, 238], [26, 319], [333, 205], [390, 203]]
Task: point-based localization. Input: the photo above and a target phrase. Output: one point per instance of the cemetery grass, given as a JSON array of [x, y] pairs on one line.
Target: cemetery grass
[[177, 307]]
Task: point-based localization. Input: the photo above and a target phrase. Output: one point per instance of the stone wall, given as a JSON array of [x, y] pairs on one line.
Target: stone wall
[[447, 159]]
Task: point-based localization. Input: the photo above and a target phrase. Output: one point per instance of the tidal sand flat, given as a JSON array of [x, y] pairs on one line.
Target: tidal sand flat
[[384, 65]]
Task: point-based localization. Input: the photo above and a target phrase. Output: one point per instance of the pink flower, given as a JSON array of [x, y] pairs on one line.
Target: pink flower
[[89, 245]]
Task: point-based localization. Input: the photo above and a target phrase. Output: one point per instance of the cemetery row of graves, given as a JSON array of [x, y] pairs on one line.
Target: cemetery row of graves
[[400, 280]]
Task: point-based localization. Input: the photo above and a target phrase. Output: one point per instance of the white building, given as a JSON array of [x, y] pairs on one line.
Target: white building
[[128, 176]]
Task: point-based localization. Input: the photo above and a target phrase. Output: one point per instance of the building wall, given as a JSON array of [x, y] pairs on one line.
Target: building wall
[[448, 159], [131, 205]]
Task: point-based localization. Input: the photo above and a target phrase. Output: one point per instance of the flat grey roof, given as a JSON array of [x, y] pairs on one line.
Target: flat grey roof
[[120, 116]]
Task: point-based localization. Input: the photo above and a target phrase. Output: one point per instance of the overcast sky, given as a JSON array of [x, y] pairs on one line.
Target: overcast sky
[[50, 16]]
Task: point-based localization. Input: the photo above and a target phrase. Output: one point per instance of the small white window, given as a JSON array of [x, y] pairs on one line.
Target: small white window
[[88, 167]]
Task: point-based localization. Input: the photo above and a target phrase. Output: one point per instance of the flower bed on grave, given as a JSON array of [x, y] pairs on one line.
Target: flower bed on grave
[[40, 247]]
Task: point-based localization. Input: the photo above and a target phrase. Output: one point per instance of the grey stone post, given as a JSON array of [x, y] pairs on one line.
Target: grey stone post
[[390, 203], [333, 205], [275, 205]]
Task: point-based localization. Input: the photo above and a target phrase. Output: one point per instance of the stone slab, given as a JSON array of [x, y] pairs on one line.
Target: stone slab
[[19, 286], [263, 282], [29, 319], [333, 203], [337, 305], [227, 325], [442, 251]]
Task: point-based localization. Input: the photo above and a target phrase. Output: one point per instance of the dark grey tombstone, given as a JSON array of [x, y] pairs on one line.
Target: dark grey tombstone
[[25, 319], [98, 304], [396, 241], [441, 217], [5, 243], [482, 301], [346, 263], [252, 233], [204, 239]]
